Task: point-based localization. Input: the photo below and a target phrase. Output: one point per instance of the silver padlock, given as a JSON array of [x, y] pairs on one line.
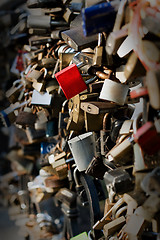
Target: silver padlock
[[83, 149], [113, 91]]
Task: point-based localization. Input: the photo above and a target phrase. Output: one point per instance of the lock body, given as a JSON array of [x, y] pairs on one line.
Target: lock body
[[71, 81]]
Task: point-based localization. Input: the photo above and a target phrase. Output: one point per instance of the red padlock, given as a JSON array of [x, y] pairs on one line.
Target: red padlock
[[148, 138], [71, 81]]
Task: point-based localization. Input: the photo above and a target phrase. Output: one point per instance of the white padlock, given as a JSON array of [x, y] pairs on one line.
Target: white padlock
[[113, 91]]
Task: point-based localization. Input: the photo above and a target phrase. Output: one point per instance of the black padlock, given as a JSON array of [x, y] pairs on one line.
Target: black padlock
[[119, 180]]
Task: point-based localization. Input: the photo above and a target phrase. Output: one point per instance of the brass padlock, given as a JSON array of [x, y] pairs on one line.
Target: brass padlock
[[76, 118], [35, 75], [98, 52], [121, 152], [93, 122], [98, 107], [39, 84]]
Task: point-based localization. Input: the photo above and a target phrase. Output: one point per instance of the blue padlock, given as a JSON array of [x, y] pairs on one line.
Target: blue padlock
[[98, 18], [52, 127]]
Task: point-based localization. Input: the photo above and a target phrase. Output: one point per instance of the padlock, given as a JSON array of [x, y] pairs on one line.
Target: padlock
[[59, 165], [95, 87], [42, 99], [119, 180], [88, 96], [56, 104], [71, 125], [113, 91], [39, 40], [83, 149], [84, 61], [108, 216], [35, 75], [8, 115], [98, 18], [93, 122], [150, 51], [65, 59], [76, 117], [115, 39], [42, 117], [62, 115], [126, 47], [114, 226], [52, 127], [34, 135], [47, 62], [56, 163], [71, 81], [115, 128], [77, 113], [133, 68], [55, 183], [126, 127], [13, 93], [106, 143], [121, 152], [26, 117], [148, 138], [118, 33], [134, 228], [75, 38], [44, 21], [68, 15], [153, 87], [39, 85], [98, 107], [96, 168], [98, 52]]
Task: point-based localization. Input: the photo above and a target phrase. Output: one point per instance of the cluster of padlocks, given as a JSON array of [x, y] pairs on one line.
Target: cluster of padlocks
[[86, 114]]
